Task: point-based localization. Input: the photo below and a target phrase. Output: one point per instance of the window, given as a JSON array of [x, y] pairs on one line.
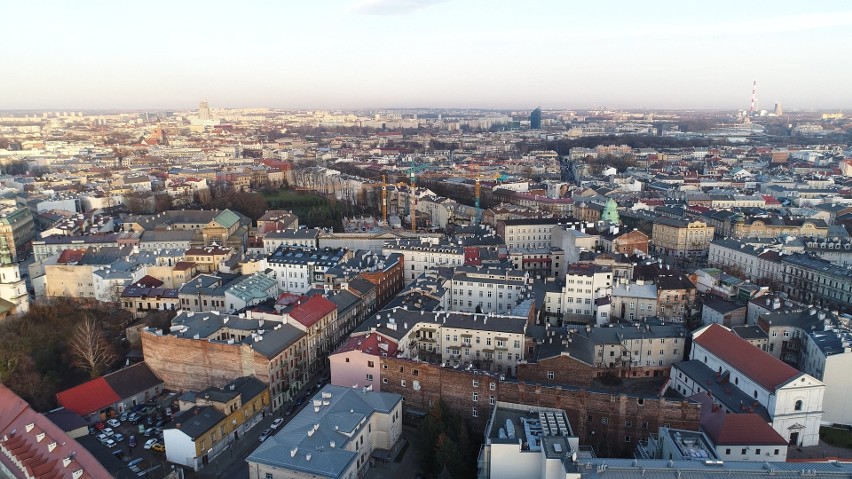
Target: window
[[798, 406], [384, 380], [370, 364], [626, 438], [402, 382], [492, 400], [476, 383], [475, 397], [727, 451], [776, 452], [645, 425], [369, 377], [744, 451], [475, 413], [757, 451], [604, 420], [550, 375], [415, 372], [492, 386]]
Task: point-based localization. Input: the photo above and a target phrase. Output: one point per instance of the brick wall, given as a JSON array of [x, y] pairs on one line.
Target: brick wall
[[189, 364], [388, 282], [601, 420], [566, 370]]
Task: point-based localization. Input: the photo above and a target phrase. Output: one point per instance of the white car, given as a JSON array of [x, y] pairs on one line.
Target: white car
[[276, 423], [109, 443], [149, 443], [117, 437], [107, 431], [114, 422]]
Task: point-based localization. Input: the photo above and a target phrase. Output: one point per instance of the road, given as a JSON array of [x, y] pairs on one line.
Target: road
[[231, 464]]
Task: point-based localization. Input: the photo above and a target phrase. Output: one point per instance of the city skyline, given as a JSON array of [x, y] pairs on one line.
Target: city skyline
[[425, 54]]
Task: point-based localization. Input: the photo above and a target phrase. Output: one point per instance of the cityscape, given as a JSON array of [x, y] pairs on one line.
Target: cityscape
[[410, 248]]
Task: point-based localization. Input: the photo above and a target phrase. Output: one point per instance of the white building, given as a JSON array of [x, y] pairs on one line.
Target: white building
[[529, 441], [423, 254], [743, 378], [487, 290], [828, 357], [584, 284], [334, 437]]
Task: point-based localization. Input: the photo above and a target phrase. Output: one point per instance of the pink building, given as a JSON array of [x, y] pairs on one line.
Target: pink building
[[356, 363]]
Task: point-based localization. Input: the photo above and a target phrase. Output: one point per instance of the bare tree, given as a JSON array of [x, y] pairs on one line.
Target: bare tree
[[89, 350]]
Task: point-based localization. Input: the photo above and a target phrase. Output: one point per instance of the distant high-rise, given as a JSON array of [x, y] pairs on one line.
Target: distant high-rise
[[535, 119], [778, 110], [203, 111]]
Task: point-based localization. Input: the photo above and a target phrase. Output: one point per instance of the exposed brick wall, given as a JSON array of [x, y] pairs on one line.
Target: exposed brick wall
[[188, 364], [388, 282], [625, 416], [566, 370]]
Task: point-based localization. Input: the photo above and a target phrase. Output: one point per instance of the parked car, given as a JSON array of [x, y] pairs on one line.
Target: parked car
[[288, 411], [161, 423], [117, 437], [159, 447], [109, 443], [149, 432], [92, 430], [149, 443], [114, 422], [99, 425], [123, 416], [134, 462], [149, 420], [265, 435], [276, 423], [108, 431], [102, 437], [131, 441], [134, 417]]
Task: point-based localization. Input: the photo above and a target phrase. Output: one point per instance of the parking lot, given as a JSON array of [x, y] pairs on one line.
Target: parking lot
[[112, 441]]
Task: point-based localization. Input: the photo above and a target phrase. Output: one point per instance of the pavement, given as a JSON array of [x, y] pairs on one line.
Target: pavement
[[408, 467], [822, 451]]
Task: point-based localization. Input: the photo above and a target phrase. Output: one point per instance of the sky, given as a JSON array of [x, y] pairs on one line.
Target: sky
[[493, 54]]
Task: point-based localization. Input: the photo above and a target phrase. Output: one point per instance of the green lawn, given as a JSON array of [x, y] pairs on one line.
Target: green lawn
[[836, 437]]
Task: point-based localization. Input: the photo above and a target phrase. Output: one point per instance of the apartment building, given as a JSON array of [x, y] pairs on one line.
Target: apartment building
[[299, 270], [291, 238], [634, 301], [18, 229], [576, 355], [219, 417], [584, 284], [317, 443], [210, 349], [754, 259], [527, 233], [487, 290], [420, 255], [680, 238], [486, 342], [816, 281]]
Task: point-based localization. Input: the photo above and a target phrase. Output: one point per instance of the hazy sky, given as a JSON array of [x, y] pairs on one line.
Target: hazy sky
[[78, 54]]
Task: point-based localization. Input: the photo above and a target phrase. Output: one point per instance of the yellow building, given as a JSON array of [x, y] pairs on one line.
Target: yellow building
[[215, 419], [682, 239]]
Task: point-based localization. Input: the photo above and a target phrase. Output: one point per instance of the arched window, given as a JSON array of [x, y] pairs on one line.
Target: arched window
[[798, 406]]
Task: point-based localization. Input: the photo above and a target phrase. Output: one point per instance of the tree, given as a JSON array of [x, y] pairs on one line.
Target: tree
[[89, 350]]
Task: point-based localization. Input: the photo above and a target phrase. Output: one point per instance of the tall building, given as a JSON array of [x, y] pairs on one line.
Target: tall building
[[778, 110], [203, 111], [535, 119], [14, 298]]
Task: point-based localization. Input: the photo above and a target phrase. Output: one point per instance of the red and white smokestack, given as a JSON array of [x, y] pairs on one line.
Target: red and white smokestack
[[753, 95]]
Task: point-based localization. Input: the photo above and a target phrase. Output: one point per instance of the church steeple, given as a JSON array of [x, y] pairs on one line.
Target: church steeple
[[610, 212], [5, 252]]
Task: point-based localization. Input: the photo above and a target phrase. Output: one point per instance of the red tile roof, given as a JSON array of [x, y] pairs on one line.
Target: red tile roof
[[762, 367], [726, 429], [71, 256], [88, 397], [369, 344], [20, 427], [149, 281], [312, 310]]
